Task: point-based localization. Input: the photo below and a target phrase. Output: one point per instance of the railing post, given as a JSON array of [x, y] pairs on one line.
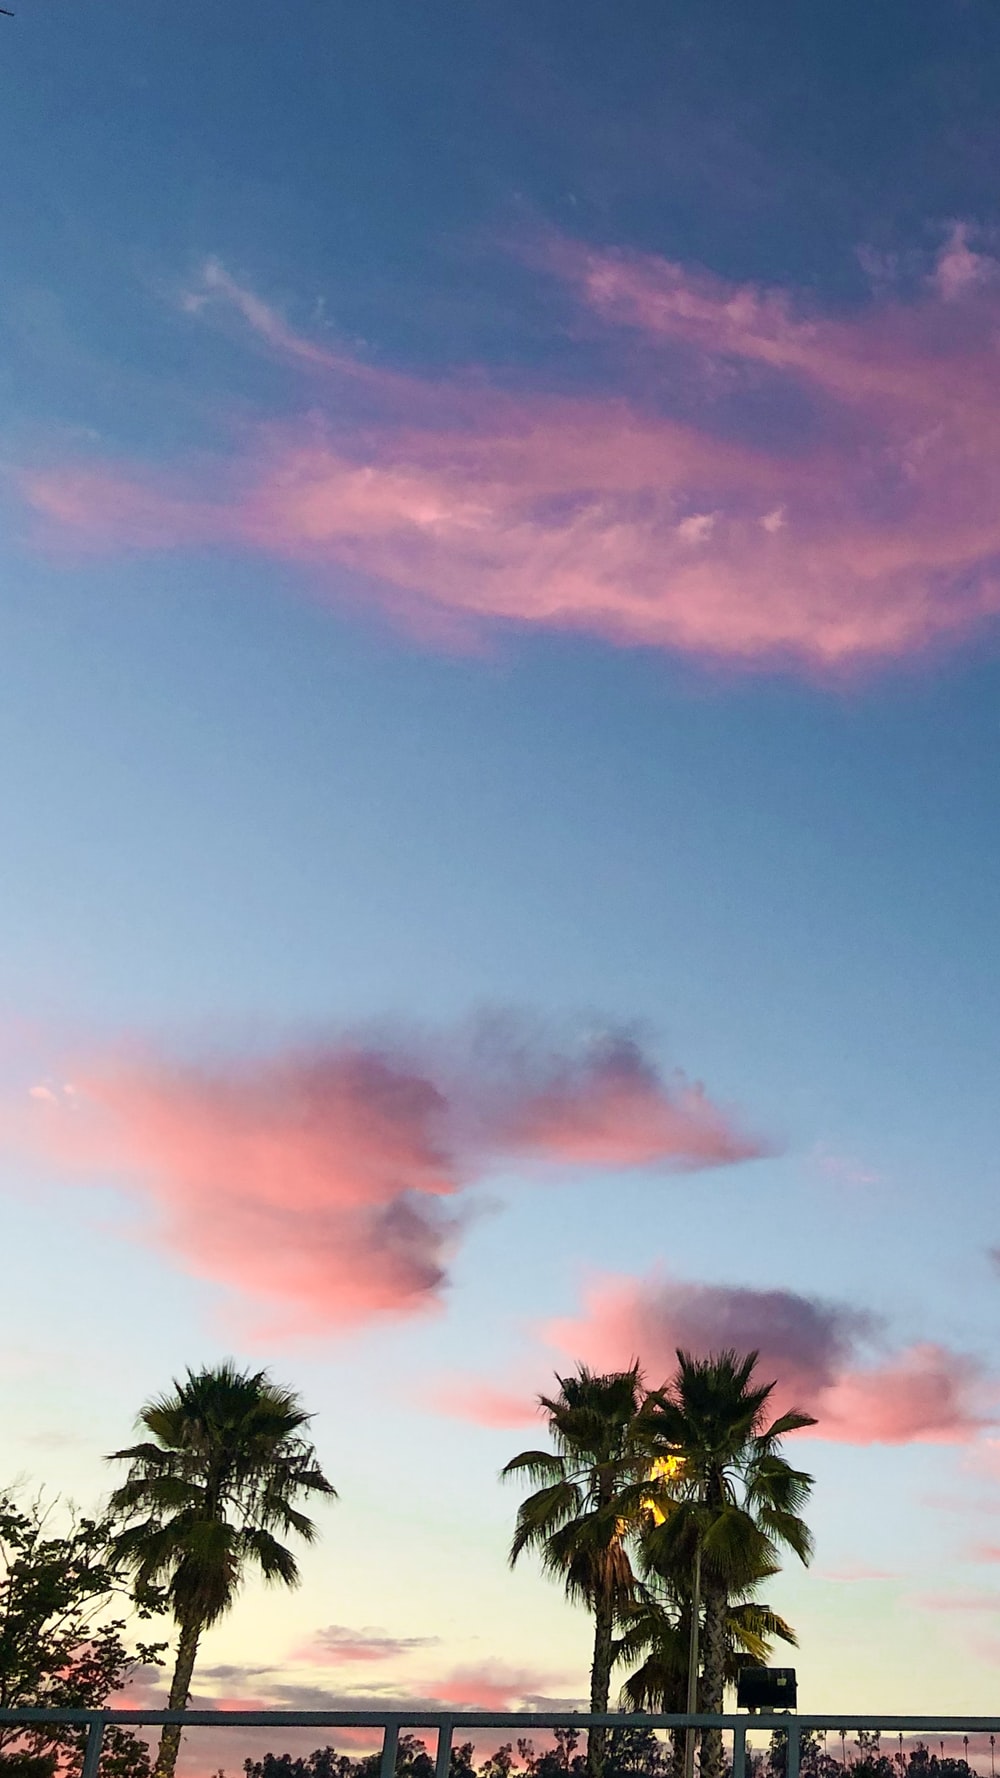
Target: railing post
[[739, 1750], [390, 1747], [792, 1758], [95, 1741], [442, 1765]]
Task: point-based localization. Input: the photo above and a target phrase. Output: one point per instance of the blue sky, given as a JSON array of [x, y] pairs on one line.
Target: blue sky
[[500, 538]]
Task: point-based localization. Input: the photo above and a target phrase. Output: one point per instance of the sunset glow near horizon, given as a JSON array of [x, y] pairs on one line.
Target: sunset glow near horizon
[[499, 764]]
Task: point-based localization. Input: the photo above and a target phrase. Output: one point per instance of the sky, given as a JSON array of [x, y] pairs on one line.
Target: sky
[[499, 775]]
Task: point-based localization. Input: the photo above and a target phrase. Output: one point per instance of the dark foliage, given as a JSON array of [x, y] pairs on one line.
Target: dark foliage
[[632, 1753], [864, 1759], [58, 1647]]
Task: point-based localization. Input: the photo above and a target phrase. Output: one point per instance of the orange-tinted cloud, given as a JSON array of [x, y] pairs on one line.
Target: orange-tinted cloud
[[790, 488], [317, 1180], [814, 1350]]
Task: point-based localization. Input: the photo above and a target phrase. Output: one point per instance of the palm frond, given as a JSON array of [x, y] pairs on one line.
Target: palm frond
[[793, 1421], [542, 1514], [788, 1529], [750, 1618], [538, 1466], [276, 1563]]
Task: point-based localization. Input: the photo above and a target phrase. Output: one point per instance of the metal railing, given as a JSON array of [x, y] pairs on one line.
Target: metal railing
[[445, 1722]]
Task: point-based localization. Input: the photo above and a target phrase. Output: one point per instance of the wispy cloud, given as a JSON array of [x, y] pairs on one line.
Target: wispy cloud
[[472, 1398], [327, 1180], [484, 1685], [793, 488], [496, 1685], [855, 1574], [844, 1169], [983, 1552], [489, 1685], [958, 1601], [337, 1643]]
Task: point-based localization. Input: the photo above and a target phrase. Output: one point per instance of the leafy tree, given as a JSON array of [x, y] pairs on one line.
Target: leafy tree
[[58, 1648], [590, 1499], [324, 1763], [219, 1476], [556, 1760], [413, 1759], [816, 1762], [738, 1501], [500, 1764], [635, 1751], [924, 1764]]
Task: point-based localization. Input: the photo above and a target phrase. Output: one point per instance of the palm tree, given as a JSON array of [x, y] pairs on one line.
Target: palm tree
[[656, 1626], [593, 1495], [739, 1504], [224, 1465]]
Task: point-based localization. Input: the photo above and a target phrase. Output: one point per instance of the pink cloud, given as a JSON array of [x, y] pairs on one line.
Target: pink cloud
[[984, 1552], [491, 1685], [864, 532], [870, 361], [967, 1601], [613, 1112], [803, 1342], [337, 1643], [844, 1169], [311, 1182], [959, 269], [482, 1403], [315, 1181], [925, 1393], [855, 1574]]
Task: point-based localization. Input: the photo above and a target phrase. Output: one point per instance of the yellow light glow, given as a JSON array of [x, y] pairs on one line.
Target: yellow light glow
[[665, 1469]]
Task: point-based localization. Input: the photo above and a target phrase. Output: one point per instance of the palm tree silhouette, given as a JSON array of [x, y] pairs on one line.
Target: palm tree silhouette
[[204, 1497]]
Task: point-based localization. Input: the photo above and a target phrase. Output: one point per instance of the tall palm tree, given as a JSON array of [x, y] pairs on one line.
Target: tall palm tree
[[738, 1503], [205, 1495], [656, 1626], [593, 1494]]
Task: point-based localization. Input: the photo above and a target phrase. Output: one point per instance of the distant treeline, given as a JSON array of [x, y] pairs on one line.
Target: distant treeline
[[631, 1753]]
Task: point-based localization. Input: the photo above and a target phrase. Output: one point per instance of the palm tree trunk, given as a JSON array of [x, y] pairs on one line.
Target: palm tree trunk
[[180, 1685], [713, 1676], [600, 1679]]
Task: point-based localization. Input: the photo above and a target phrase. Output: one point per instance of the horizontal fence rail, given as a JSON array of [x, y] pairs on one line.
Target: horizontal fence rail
[[445, 1722]]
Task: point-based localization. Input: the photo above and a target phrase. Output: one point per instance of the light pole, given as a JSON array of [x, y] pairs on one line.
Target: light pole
[[692, 1684]]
